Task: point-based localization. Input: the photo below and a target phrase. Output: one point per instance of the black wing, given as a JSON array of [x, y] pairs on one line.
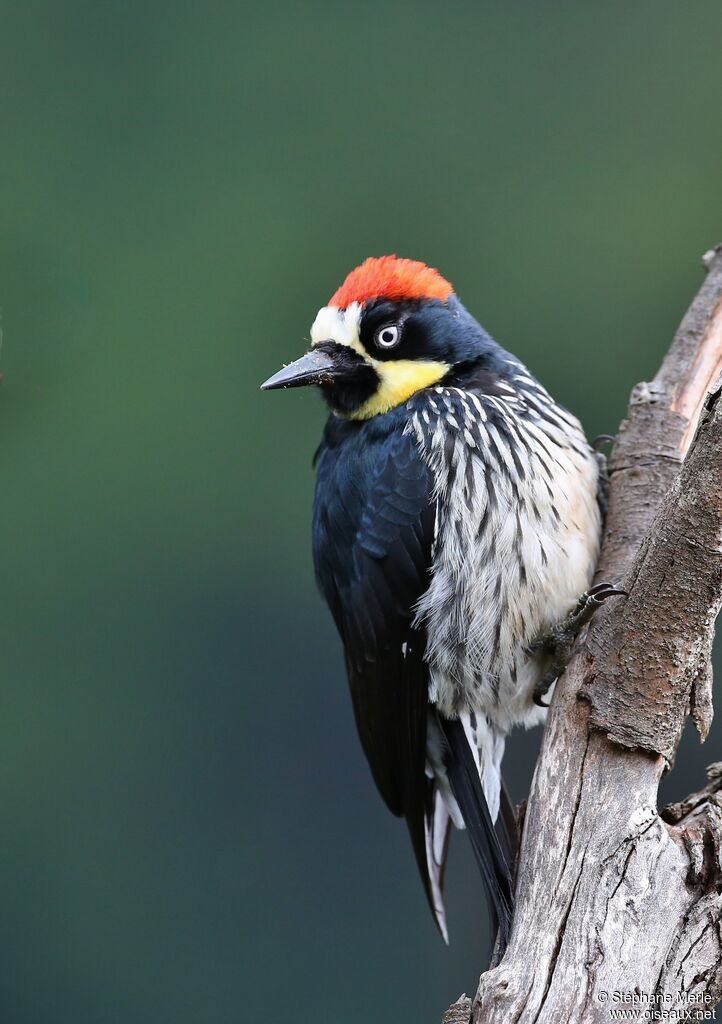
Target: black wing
[[372, 535], [372, 532]]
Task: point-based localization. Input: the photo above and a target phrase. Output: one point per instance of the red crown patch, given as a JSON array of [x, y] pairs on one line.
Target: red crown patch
[[389, 277]]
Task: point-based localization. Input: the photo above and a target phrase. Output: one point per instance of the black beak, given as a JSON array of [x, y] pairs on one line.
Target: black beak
[[314, 368]]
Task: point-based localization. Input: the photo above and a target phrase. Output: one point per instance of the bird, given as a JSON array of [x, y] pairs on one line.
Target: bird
[[456, 529]]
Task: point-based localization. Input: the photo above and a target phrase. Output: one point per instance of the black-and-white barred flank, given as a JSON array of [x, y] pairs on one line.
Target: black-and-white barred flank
[[515, 544]]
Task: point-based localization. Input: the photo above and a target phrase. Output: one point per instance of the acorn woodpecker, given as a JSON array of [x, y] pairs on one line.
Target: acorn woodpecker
[[456, 523]]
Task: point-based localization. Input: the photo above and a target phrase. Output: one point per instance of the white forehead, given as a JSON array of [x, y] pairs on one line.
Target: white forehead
[[339, 325]]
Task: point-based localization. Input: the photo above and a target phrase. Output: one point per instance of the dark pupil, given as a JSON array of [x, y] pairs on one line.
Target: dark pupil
[[387, 337]]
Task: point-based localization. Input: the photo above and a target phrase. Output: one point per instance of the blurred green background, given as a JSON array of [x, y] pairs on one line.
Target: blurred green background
[[189, 831]]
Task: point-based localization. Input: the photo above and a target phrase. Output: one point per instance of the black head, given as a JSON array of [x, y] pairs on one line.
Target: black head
[[393, 328]]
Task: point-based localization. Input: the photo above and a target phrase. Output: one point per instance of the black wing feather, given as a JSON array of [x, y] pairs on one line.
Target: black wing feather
[[373, 530], [373, 534]]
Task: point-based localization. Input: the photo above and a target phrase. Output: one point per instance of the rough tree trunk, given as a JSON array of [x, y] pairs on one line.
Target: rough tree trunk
[[616, 900]]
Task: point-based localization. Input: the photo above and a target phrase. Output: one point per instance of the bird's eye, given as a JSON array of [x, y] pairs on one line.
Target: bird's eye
[[388, 336]]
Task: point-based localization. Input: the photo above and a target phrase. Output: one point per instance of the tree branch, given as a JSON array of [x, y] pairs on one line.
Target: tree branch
[[613, 897]]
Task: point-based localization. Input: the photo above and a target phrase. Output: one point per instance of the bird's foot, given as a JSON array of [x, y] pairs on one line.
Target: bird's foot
[[557, 644]]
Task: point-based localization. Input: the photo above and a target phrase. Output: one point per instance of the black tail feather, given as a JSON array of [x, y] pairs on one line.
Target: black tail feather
[[506, 828], [466, 786]]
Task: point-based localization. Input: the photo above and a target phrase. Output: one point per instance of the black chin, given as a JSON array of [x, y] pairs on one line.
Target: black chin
[[354, 380]]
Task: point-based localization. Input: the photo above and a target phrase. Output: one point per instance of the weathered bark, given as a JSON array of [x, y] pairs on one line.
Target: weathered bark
[[613, 898]]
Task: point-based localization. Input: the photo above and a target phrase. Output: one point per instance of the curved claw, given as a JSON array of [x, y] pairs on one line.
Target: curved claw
[[601, 439], [604, 590]]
